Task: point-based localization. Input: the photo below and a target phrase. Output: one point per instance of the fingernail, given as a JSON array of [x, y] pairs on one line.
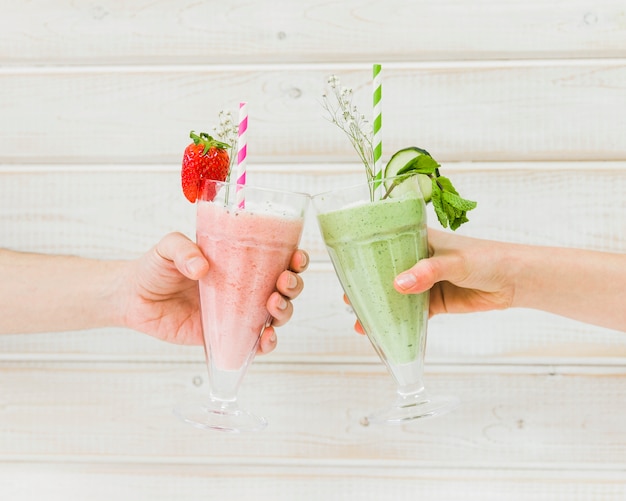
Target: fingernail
[[293, 281], [195, 265], [282, 304], [406, 280], [273, 338], [305, 259]]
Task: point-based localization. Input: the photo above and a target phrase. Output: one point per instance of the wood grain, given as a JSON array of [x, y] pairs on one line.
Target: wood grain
[[57, 482], [530, 417], [101, 481], [135, 32], [463, 111], [121, 211]]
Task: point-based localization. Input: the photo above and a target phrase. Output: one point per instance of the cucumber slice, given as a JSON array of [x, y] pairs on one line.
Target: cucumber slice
[[426, 186], [417, 183], [399, 161]]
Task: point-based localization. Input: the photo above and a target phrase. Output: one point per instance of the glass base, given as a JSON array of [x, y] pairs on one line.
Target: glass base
[[220, 416], [412, 407]]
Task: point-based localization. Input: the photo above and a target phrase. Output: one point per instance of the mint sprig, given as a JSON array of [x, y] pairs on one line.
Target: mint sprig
[[451, 209]]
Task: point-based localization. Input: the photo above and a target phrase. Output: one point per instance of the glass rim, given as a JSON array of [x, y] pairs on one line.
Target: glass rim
[[252, 187], [361, 184]]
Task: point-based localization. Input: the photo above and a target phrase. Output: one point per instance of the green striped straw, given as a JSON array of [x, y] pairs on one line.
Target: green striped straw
[[378, 121]]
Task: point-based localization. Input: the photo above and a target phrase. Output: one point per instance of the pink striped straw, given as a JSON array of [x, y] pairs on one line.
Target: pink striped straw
[[242, 152]]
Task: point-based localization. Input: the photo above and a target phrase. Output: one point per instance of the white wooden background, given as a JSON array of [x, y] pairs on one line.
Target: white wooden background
[[523, 102]]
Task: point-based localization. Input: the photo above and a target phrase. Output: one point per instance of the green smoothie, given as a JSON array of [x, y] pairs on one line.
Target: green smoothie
[[369, 244]]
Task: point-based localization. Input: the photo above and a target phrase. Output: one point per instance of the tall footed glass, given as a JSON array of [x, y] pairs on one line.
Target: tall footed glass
[[371, 238], [248, 234]]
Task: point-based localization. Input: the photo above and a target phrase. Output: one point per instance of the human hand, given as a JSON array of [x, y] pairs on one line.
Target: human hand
[[159, 293], [463, 274]]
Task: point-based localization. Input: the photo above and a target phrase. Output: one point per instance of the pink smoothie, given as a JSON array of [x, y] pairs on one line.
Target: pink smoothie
[[247, 251]]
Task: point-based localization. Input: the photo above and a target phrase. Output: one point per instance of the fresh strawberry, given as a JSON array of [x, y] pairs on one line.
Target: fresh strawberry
[[205, 158]]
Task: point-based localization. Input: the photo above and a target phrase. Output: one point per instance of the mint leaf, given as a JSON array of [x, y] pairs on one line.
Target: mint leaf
[[423, 164], [451, 209], [438, 204], [457, 202]]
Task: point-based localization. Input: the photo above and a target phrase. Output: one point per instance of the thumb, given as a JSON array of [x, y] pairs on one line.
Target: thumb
[[426, 273], [185, 254], [419, 278]]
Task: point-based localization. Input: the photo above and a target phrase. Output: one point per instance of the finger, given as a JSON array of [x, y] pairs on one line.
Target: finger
[[358, 327], [280, 308], [419, 278], [268, 341], [185, 254], [427, 272], [290, 284], [299, 261]]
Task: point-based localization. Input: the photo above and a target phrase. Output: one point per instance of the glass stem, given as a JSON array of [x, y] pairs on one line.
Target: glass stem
[[410, 390]]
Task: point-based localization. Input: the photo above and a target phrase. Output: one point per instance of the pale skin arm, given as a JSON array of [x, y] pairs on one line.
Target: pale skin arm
[[155, 293], [467, 274]]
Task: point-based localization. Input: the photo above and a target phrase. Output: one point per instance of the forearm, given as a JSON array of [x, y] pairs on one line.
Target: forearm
[[42, 293], [580, 284]]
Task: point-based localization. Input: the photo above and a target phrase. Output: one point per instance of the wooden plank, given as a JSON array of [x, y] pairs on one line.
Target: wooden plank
[[511, 417], [163, 482], [135, 32], [462, 111], [121, 211]]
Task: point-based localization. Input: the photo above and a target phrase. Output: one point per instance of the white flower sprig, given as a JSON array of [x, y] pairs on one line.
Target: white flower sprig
[[337, 101], [228, 131]]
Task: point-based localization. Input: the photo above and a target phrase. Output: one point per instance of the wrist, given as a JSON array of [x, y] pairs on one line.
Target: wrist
[[518, 266], [538, 276], [109, 301]]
